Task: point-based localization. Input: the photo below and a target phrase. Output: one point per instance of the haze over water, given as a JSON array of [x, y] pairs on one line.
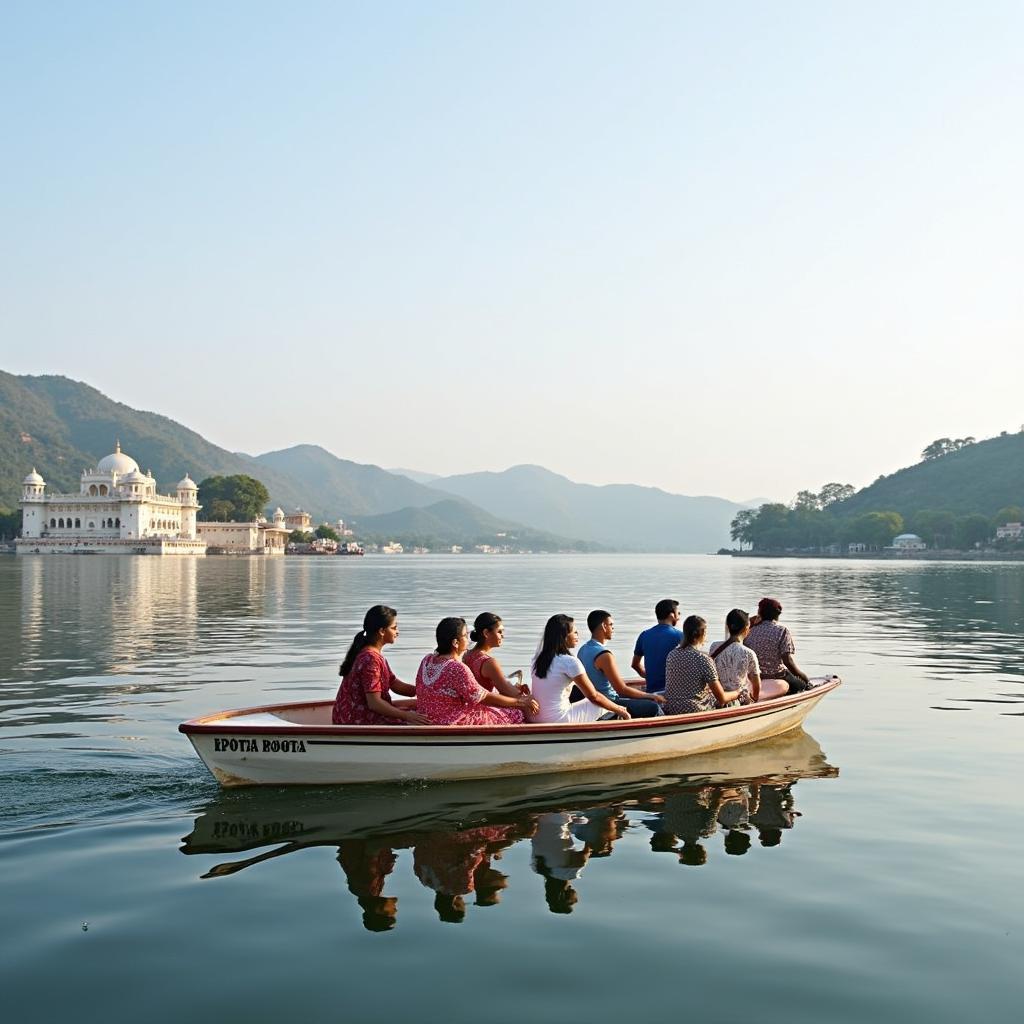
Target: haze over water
[[864, 868]]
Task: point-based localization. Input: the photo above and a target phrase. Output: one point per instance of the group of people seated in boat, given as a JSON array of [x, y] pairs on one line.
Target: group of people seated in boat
[[462, 685]]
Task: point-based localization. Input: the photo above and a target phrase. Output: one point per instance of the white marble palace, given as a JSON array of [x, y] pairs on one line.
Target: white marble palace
[[117, 510]]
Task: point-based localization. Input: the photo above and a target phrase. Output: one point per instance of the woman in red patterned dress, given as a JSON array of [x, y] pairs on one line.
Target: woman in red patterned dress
[[449, 695], [488, 633], [364, 696]]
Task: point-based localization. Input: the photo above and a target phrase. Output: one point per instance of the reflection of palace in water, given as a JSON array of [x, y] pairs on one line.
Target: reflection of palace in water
[[729, 803], [109, 613]]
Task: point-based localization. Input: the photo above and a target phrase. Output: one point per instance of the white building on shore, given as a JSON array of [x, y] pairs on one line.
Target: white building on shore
[[117, 510], [254, 538], [908, 542]]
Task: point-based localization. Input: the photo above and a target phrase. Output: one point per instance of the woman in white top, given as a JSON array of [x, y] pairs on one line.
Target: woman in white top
[[737, 666], [556, 671]]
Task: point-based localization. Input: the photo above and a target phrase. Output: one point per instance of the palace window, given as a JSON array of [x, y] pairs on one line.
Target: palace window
[[78, 524], [103, 488], [92, 490]]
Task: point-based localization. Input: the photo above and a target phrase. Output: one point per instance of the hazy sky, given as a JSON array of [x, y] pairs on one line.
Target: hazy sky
[[733, 249]]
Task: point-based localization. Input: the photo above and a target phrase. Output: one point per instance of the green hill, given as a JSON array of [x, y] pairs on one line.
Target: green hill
[[980, 478], [352, 488], [62, 426]]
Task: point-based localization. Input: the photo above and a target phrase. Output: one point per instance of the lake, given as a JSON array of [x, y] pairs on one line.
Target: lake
[[862, 868]]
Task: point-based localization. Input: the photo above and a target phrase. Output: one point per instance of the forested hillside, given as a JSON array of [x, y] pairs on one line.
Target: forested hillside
[[978, 478], [956, 497], [62, 426]]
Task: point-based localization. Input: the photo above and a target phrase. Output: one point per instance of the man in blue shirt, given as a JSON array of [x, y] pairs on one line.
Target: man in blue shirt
[[600, 667], [653, 645]]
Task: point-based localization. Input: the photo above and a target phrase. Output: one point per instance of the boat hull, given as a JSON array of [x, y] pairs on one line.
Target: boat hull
[[293, 744]]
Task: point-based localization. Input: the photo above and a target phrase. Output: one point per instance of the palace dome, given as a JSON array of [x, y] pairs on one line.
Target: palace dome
[[134, 477], [187, 484], [33, 478], [118, 462]]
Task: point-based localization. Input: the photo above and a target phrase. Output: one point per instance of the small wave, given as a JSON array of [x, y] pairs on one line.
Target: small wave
[[49, 798]]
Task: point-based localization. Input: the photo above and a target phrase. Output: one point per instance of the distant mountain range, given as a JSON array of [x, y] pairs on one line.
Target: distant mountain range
[[417, 475], [61, 426], [623, 516]]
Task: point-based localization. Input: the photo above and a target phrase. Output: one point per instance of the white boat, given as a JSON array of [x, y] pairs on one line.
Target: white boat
[[296, 744]]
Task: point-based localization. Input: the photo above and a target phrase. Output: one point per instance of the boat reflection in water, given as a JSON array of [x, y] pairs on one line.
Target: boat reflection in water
[[456, 831]]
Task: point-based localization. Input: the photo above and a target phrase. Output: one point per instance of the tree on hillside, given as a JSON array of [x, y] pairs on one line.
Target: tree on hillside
[[325, 532], [239, 498], [1010, 514], [740, 527], [875, 529], [299, 537], [832, 494], [945, 446], [10, 524], [806, 501], [935, 527], [972, 530]]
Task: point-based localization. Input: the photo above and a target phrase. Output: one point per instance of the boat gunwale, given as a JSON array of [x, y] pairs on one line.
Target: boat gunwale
[[219, 722]]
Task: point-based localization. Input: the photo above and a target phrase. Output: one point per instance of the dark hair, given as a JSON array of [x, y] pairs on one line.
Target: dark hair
[[483, 622], [447, 633], [693, 854], [736, 621], [769, 608], [380, 616], [559, 895], [693, 627], [556, 637], [596, 617], [664, 608], [737, 843], [450, 908]]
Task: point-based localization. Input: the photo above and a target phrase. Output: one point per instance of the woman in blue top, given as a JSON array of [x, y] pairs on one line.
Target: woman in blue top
[[604, 674]]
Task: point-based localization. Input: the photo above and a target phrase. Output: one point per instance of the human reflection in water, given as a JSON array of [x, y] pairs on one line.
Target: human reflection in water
[[455, 864], [687, 816], [557, 859], [695, 814], [734, 819], [772, 811], [367, 866], [600, 828]]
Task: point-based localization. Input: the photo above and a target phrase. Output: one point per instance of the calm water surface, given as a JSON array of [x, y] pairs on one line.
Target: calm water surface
[[865, 868]]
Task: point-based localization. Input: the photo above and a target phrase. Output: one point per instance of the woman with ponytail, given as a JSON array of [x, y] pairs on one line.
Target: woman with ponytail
[[364, 697], [448, 693], [487, 634], [691, 679], [556, 671], [736, 664]]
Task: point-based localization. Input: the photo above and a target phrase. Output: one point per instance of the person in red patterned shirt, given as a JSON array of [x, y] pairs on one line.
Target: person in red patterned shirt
[[774, 647], [364, 696]]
